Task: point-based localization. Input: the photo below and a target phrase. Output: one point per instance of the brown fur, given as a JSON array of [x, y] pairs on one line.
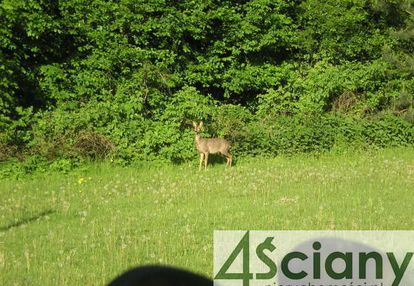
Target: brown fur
[[206, 146]]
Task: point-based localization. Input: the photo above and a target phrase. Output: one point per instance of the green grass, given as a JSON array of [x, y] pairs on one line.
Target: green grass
[[86, 227]]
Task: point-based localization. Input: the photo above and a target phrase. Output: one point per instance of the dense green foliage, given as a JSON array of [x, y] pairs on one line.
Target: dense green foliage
[[124, 78]]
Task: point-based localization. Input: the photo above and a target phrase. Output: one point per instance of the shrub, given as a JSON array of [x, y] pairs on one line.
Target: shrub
[[7, 151], [93, 145], [321, 133]]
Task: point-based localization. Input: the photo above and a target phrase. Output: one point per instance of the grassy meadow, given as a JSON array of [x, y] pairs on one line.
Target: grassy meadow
[[85, 227]]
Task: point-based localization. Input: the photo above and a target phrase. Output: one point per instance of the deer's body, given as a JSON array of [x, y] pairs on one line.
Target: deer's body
[[206, 146]]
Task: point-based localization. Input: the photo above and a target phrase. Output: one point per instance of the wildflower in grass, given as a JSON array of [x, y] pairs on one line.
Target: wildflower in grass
[[81, 180]]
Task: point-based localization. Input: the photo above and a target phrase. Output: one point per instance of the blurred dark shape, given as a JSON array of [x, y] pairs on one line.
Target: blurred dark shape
[[160, 276]]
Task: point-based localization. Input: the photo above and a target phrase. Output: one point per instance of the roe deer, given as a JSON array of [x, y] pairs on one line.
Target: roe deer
[[206, 146]]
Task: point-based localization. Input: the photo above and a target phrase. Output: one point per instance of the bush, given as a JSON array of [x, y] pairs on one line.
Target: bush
[[93, 145], [126, 136], [7, 151], [321, 133]]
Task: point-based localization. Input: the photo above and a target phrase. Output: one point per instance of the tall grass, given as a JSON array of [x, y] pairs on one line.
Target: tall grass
[[86, 227]]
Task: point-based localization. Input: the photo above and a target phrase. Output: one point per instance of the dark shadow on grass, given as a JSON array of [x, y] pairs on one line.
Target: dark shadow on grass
[[213, 159], [216, 159], [26, 220]]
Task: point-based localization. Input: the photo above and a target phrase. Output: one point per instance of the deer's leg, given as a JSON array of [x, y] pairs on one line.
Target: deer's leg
[[201, 161], [205, 161], [229, 158]]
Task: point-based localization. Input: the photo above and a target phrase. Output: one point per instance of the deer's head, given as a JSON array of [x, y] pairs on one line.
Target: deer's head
[[197, 128]]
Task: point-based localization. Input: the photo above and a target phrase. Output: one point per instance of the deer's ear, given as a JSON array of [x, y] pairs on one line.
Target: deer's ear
[[200, 125], [194, 124]]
